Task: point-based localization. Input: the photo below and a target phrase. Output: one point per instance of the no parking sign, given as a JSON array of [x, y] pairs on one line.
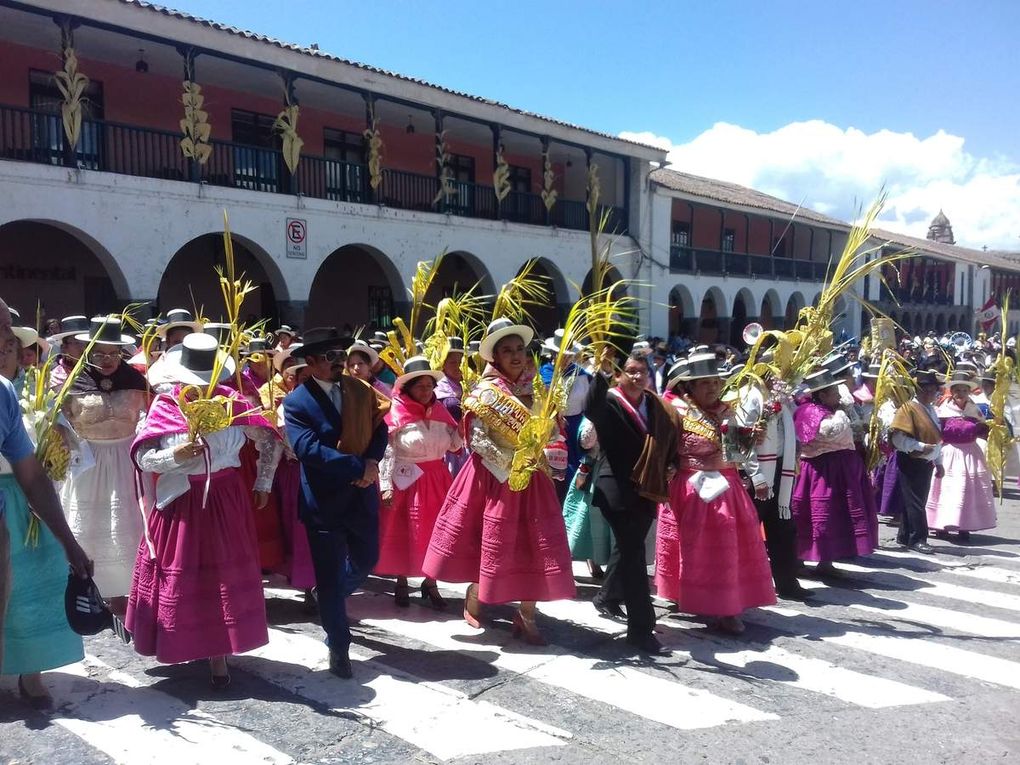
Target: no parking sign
[[297, 238]]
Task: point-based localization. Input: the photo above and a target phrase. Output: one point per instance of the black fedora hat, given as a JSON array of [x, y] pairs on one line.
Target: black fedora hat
[[105, 331], [925, 377], [179, 318], [321, 339]]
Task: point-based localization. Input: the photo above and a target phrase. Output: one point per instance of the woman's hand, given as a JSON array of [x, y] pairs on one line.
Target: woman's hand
[[259, 499], [187, 452], [387, 496]]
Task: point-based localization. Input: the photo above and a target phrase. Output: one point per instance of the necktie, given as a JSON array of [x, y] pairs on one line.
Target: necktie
[[334, 396]]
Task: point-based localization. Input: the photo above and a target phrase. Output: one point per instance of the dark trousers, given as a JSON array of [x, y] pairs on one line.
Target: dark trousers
[[630, 518], [780, 538], [913, 485], [343, 557]]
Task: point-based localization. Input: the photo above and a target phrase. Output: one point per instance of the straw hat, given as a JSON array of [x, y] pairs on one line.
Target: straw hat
[[499, 329]]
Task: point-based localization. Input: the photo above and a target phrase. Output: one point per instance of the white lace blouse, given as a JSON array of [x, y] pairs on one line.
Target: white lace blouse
[[421, 441]]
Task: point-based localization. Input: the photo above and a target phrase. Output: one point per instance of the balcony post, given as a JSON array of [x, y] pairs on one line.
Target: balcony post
[[690, 230], [626, 196], [371, 194], [587, 191], [438, 116], [547, 214], [772, 238], [188, 57], [67, 25], [497, 139], [747, 234], [289, 97]]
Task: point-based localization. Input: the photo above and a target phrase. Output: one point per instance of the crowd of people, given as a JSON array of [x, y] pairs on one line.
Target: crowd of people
[[331, 463]]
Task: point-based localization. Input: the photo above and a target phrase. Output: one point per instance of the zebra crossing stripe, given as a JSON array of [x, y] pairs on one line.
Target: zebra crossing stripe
[[440, 720], [144, 725], [807, 673], [989, 573], [925, 653], [938, 588], [669, 702], [943, 618]]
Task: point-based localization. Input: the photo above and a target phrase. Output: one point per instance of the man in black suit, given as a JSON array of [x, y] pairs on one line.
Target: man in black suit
[[335, 426], [638, 436]]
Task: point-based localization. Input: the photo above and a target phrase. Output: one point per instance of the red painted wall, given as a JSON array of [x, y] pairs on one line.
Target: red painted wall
[[153, 100]]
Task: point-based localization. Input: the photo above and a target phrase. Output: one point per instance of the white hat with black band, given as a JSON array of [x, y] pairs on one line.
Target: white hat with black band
[[416, 366], [499, 329]]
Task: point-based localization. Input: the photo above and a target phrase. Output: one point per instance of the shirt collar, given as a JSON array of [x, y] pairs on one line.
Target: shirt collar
[[326, 385]]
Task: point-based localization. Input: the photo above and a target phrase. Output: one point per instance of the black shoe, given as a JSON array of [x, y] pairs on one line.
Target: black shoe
[[340, 665], [609, 610], [793, 592], [120, 630], [402, 595], [219, 682], [923, 547], [646, 644]]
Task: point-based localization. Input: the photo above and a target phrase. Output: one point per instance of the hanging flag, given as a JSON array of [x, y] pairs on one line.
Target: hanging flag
[[988, 314]]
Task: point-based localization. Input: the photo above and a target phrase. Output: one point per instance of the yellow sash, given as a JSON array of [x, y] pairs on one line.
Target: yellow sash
[[502, 413]]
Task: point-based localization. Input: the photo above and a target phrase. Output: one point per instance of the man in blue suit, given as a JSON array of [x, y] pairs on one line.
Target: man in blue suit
[[335, 425]]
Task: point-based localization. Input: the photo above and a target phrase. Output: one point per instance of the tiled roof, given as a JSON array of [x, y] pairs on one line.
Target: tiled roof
[[993, 258], [735, 194], [376, 70]]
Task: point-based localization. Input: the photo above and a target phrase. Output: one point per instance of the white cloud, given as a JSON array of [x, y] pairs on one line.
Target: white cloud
[[835, 170]]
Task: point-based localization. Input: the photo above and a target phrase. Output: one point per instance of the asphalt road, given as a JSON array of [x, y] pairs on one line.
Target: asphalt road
[[905, 659]]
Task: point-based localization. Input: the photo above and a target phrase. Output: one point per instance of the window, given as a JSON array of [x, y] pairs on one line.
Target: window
[[48, 128], [380, 307], [462, 170], [345, 170], [517, 206], [729, 238], [680, 236], [520, 179], [256, 163]]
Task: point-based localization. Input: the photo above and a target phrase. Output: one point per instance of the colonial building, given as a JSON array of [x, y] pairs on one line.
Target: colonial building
[[389, 171]]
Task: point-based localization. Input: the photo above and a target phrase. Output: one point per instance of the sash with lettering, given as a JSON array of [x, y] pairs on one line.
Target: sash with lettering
[[502, 412]]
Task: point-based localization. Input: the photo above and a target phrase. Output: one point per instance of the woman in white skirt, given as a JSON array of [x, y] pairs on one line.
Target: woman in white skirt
[[99, 497]]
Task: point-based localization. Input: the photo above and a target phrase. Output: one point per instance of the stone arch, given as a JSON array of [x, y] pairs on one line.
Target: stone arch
[[768, 312], [743, 311], [551, 315], [682, 317], [793, 305], [190, 280], [355, 286], [459, 272], [614, 277], [713, 317], [60, 268]]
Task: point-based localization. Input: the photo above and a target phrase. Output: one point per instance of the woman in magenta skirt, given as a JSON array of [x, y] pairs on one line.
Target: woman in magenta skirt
[[833, 502], [510, 545], [414, 478], [197, 589], [710, 557]]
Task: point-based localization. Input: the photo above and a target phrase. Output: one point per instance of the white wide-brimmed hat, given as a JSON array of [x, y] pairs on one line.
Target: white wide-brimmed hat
[[360, 346], [499, 329], [105, 331], [191, 362], [28, 336], [416, 366], [282, 355], [821, 380], [176, 318]]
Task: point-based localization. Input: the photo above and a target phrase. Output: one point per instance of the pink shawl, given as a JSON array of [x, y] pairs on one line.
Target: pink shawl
[[808, 419], [404, 410]]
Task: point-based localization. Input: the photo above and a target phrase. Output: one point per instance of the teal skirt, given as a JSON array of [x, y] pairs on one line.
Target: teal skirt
[[36, 635], [587, 531]]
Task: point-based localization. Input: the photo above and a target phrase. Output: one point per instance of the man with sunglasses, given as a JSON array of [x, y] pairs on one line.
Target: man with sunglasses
[[335, 425]]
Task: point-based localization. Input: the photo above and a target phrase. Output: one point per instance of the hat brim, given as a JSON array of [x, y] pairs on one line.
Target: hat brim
[[401, 381], [486, 349], [59, 337], [366, 350], [168, 369], [321, 346], [815, 389], [162, 330], [124, 340], [26, 336]]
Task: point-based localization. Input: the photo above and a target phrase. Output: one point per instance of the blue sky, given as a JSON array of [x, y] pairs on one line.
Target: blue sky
[[895, 73]]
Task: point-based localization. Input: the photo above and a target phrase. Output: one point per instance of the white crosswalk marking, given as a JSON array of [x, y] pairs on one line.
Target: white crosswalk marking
[[809, 674], [147, 727], [440, 720], [938, 656], [988, 573], [667, 701]]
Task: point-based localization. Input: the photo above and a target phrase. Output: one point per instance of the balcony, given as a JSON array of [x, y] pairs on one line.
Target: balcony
[[33, 136], [688, 260]]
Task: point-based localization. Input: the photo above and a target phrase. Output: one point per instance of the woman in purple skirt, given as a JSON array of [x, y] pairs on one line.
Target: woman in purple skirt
[[833, 501]]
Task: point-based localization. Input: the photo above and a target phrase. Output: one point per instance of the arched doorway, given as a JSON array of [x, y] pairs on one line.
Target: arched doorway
[[682, 319], [459, 272], [190, 280], [712, 315], [614, 277], [355, 286], [58, 270], [940, 324], [547, 318], [740, 317], [769, 312], [793, 306]]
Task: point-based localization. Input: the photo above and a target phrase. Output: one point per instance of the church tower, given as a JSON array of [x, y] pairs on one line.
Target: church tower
[[941, 230]]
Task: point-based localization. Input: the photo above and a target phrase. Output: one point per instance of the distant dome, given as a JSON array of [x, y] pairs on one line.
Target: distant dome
[[941, 230]]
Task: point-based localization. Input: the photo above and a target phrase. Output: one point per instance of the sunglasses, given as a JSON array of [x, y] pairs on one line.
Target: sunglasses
[[99, 356], [334, 355]]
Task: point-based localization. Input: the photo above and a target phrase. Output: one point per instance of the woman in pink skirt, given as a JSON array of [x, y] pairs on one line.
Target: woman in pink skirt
[[710, 558], [197, 589], [511, 545], [414, 478], [962, 500]]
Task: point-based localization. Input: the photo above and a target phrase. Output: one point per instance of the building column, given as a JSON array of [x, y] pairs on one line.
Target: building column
[[292, 312]]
